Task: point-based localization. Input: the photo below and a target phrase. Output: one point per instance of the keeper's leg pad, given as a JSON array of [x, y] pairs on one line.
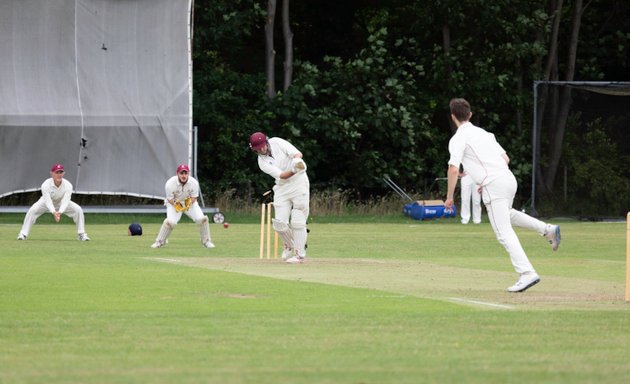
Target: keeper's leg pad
[[204, 229], [284, 232], [165, 231], [298, 227]]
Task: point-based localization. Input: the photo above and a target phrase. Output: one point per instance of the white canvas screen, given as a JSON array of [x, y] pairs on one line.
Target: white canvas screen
[[101, 86]]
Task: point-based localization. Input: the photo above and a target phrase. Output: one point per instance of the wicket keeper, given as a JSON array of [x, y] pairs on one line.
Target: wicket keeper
[[182, 191]]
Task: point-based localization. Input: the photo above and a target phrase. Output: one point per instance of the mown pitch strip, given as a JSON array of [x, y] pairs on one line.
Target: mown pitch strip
[[472, 287]]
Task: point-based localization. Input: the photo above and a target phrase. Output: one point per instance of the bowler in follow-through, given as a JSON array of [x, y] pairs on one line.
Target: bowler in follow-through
[[487, 163]]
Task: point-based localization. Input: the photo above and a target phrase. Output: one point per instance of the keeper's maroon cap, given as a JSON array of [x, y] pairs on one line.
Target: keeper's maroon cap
[[257, 140], [57, 167], [183, 167]]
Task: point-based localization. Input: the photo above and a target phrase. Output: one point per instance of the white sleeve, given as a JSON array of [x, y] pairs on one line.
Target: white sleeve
[[456, 149], [46, 188], [195, 189], [289, 148], [67, 195], [169, 190], [269, 169]]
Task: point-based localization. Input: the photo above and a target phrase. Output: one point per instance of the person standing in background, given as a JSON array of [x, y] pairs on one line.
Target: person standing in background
[[469, 192]]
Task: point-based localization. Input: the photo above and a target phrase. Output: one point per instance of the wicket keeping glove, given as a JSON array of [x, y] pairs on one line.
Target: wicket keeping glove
[[183, 206]]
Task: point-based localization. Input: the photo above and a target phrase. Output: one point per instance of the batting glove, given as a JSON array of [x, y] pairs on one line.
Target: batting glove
[[298, 165]]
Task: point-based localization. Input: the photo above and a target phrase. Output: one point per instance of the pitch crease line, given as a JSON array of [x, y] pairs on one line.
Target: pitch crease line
[[167, 260], [494, 305]]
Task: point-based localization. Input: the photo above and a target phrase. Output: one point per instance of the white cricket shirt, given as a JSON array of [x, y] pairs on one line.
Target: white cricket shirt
[[282, 153], [177, 192], [56, 196], [479, 152]]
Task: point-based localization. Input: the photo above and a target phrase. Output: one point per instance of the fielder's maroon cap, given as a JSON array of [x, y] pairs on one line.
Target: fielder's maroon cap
[[57, 167], [257, 140], [183, 167]]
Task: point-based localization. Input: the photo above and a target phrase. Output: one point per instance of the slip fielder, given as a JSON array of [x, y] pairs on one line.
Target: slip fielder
[[56, 195]]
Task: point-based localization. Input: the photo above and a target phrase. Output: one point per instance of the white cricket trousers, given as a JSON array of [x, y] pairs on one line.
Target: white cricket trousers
[[194, 212], [469, 192], [291, 196], [498, 197], [73, 211]]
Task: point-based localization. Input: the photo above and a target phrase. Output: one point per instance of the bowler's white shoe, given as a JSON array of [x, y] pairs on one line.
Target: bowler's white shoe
[[552, 234], [524, 282], [157, 244], [83, 237], [208, 244], [21, 236]]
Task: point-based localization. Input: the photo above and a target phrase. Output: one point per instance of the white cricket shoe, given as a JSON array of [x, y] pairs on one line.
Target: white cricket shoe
[[552, 234], [208, 244], [524, 282], [287, 253], [157, 244], [83, 237], [21, 236]]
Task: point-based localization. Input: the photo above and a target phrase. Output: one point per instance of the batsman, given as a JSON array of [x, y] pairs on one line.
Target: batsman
[[283, 161], [182, 191]]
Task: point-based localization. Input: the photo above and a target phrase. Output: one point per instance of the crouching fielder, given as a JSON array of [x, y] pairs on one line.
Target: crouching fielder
[[56, 195], [281, 160], [182, 191]]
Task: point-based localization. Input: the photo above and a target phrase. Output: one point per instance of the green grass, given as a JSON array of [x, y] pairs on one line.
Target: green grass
[[398, 301]]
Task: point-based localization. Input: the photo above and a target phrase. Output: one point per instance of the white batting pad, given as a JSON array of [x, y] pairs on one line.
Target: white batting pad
[[298, 225], [298, 219], [299, 240], [284, 232], [279, 226], [204, 229], [165, 231]]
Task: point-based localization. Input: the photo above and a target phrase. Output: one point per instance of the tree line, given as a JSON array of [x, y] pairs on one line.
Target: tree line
[[362, 86]]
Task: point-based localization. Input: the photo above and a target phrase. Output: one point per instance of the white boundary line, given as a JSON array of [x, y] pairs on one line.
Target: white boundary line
[[493, 305]]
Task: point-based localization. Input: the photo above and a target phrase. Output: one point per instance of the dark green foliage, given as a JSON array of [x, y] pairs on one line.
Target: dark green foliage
[[229, 87], [372, 81], [359, 120], [230, 109], [599, 182]]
